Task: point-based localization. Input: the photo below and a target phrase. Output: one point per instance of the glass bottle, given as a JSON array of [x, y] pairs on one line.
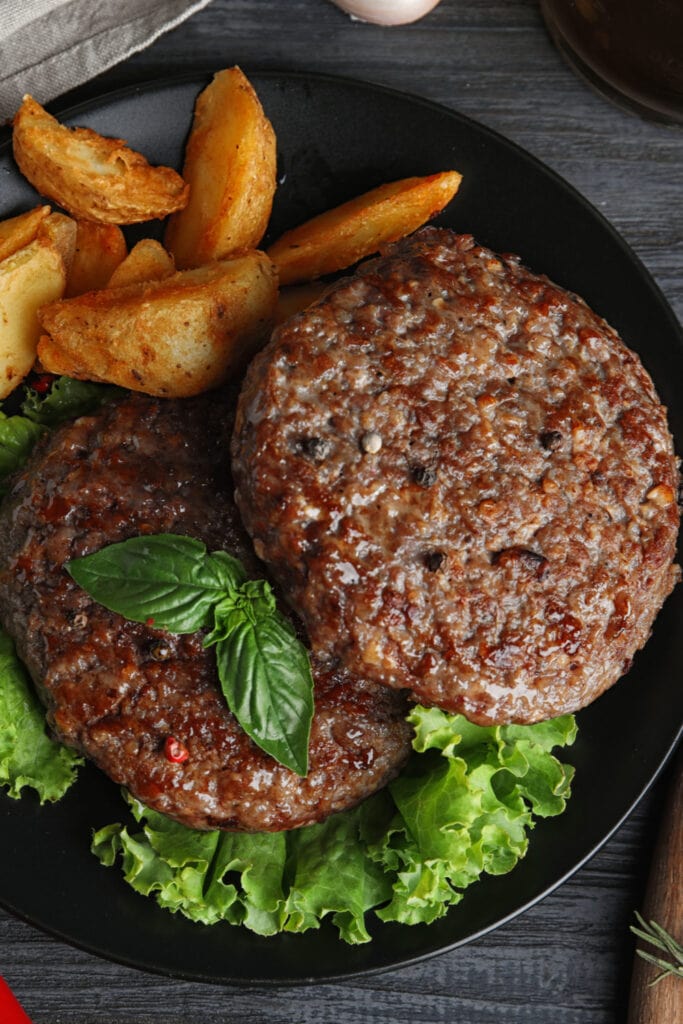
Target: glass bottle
[[630, 50]]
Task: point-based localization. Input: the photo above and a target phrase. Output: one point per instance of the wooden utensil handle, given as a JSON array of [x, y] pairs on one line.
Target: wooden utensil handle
[[663, 1003]]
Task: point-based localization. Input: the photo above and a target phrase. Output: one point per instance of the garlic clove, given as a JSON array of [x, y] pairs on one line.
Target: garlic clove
[[387, 12]]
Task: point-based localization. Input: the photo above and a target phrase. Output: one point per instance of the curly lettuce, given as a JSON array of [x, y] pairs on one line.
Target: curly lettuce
[[463, 807], [18, 434], [39, 412], [65, 399], [28, 757]]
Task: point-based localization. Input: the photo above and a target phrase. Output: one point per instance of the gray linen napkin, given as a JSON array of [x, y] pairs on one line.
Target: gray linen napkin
[[50, 46]]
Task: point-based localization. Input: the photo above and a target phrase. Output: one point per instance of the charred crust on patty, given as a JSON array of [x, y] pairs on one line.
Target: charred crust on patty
[[117, 690], [556, 481]]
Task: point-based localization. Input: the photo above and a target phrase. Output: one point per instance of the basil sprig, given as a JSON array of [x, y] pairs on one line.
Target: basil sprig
[[172, 583]]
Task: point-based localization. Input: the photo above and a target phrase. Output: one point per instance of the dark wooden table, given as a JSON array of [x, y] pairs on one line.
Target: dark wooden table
[[568, 960]]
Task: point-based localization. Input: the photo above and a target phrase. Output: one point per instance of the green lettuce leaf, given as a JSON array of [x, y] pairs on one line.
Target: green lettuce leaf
[[28, 757], [17, 438], [463, 807], [333, 875], [192, 872], [65, 400], [466, 806]]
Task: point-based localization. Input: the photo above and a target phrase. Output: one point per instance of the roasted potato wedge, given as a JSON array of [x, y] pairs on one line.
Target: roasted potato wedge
[[340, 237], [93, 177], [60, 231], [294, 299], [230, 163], [61, 362], [176, 337], [16, 232], [30, 277], [146, 261], [100, 248]]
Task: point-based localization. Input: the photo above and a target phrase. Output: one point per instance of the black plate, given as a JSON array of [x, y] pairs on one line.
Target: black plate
[[338, 138]]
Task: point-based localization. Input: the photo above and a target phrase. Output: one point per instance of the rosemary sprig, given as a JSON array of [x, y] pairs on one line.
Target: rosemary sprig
[[665, 943]]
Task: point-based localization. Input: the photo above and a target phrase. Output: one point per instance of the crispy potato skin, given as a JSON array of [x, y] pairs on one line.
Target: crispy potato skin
[[340, 237], [100, 248], [34, 274], [16, 232], [60, 232], [179, 318], [94, 178], [294, 299], [174, 337], [230, 164], [146, 261]]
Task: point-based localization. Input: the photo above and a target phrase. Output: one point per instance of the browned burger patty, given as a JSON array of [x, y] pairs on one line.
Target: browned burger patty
[[116, 690], [463, 480]]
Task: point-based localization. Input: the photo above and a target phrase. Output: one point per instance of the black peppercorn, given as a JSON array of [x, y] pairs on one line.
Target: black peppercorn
[[551, 440], [434, 560], [316, 448], [425, 476]]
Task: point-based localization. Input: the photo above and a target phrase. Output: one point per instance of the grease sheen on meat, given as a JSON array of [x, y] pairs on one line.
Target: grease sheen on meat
[[114, 689], [463, 480]]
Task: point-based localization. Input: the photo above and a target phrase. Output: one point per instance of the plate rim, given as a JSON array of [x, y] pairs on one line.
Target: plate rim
[[85, 96], [199, 75]]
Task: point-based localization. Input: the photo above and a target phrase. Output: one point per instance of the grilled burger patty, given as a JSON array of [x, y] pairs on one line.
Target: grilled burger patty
[[463, 480], [116, 690]]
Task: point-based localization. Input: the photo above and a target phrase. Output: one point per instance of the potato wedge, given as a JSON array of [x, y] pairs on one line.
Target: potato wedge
[[146, 261], [16, 232], [230, 163], [340, 237], [296, 298], [30, 277], [100, 248], [60, 231], [174, 338], [93, 177], [61, 362]]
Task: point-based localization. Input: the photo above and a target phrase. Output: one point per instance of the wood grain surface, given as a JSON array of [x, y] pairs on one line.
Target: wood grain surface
[[657, 998], [569, 959]]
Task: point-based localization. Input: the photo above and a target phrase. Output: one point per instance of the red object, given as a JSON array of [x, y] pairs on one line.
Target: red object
[[175, 751], [43, 383], [10, 1011]]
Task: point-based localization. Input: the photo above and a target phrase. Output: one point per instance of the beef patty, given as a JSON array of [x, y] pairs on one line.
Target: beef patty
[[464, 481], [116, 690]]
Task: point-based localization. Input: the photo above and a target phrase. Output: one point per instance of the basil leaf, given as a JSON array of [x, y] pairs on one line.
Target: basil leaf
[[253, 600], [266, 679], [230, 570], [165, 580], [171, 582]]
